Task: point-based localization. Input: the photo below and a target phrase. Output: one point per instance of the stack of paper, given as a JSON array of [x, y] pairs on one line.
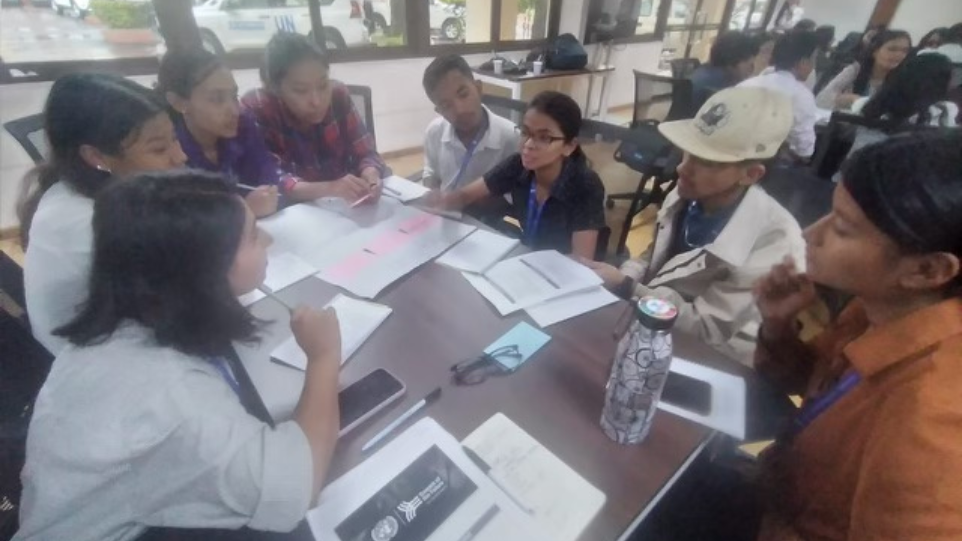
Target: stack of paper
[[358, 320], [478, 252], [403, 189], [531, 279], [569, 306], [564, 504], [341, 501]]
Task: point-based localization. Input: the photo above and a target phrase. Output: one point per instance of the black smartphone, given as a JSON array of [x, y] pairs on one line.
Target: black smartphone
[[688, 393], [365, 397]]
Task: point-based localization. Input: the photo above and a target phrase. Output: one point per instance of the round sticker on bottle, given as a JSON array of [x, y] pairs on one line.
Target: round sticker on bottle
[[658, 308]]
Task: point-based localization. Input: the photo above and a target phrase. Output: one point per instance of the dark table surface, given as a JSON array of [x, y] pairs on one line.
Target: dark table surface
[[438, 320], [546, 74]]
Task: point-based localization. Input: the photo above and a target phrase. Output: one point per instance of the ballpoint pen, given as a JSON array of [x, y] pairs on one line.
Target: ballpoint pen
[[423, 403]]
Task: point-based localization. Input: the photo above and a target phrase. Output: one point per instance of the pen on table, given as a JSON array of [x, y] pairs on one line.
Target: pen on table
[[479, 524], [423, 403], [361, 200], [252, 188], [486, 469]]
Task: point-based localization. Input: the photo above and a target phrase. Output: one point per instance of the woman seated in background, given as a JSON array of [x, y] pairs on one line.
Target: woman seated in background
[[862, 78], [212, 131], [309, 121], [96, 125], [147, 419], [914, 95], [556, 197], [874, 451]]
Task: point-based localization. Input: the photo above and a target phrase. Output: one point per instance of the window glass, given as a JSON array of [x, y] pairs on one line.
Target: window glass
[[524, 19]]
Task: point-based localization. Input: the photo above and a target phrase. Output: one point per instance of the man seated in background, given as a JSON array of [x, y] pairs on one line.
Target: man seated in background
[[951, 45], [467, 140], [717, 232], [732, 61], [794, 60]]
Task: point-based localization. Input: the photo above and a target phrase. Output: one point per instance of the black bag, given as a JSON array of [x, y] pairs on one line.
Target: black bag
[[565, 53]]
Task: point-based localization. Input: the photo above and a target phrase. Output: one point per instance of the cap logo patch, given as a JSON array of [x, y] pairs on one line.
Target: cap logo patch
[[713, 119]]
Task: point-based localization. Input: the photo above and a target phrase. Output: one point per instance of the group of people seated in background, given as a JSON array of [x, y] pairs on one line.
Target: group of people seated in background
[[907, 87], [148, 426]]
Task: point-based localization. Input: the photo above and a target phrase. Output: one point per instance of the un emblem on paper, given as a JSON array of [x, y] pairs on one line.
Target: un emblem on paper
[[385, 529], [712, 119]]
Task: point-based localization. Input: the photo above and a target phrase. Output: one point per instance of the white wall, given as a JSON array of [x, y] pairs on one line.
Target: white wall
[[917, 17]]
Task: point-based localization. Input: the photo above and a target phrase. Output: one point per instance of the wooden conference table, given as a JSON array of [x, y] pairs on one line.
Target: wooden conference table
[[438, 320]]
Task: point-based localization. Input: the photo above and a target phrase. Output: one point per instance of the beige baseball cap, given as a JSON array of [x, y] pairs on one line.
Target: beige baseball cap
[[734, 125]]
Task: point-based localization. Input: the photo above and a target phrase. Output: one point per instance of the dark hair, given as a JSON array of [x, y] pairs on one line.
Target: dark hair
[[440, 67], [100, 110], [792, 48], [826, 35], [805, 25], [733, 48], [563, 110], [954, 34], [163, 246], [910, 187], [941, 32], [181, 71], [867, 59], [911, 90], [284, 51]]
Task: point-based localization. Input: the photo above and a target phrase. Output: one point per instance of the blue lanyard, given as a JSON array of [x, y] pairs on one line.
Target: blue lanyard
[[469, 153], [815, 408], [534, 215], [224, 368]]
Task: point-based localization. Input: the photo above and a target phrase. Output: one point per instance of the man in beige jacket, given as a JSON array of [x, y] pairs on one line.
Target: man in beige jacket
[[717, 232]]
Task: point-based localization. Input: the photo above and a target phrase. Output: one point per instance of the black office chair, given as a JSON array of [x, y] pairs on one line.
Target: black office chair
[[651, 89], [682, 68], [836, 141], [29, 132], [24, 365], [361, 96], [508, 108], [804, 194]]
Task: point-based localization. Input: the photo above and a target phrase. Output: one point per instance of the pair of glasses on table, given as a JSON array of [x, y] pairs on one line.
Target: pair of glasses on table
[[499, 362]]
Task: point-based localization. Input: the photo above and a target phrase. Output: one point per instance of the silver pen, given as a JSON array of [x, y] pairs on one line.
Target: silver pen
[[431, 397]]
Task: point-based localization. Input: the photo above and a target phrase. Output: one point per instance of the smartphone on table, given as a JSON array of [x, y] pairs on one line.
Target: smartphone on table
[[367, 396]]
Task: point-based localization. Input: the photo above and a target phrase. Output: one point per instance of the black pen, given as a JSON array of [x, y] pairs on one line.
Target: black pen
[[479, 524], [384, 433]]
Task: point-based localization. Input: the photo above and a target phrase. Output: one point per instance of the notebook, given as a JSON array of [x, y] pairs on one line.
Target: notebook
[[564, 503], [403, 189], [358, 319]]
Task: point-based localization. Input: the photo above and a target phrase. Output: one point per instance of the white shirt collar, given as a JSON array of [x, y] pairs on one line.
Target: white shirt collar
[[493, 136]]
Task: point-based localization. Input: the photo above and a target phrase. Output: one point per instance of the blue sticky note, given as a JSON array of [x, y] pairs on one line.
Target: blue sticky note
[[528, 340]]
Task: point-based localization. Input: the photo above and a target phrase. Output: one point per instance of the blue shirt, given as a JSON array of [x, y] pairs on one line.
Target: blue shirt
[[706, 80], [697, 229]]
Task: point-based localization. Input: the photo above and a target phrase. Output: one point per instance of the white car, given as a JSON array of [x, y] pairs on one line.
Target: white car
[[445, 19], [77, 8], [229, 25]]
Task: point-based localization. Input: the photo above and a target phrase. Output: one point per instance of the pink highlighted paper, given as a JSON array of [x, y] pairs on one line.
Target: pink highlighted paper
[[388, 242], [350, 266], [419, 223]]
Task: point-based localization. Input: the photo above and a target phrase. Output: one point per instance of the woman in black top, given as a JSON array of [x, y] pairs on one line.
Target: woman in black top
[[555, 195]]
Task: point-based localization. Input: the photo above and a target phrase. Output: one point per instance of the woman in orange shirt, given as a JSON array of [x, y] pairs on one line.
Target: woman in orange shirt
[[875, 453]]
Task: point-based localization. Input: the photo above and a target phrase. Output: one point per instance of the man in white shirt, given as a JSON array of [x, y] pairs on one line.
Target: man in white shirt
[[467, 140], [794, 60]]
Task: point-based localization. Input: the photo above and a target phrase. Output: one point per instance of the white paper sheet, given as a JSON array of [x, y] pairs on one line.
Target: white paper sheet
[[248, 299], [358, 321], [563, 502], [569, 306], [403, 189], [531, 279], [347, 494], [489, 292], [478, 252], [305, 229], [285, 269], [727, 413]]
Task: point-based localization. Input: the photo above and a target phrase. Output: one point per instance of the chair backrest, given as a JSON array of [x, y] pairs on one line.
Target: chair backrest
[[682, 100], [649, 89], [806, 196], [361, 96], [956, 80], [13, 300], [682, 68], [505, 107], [29, 132], [834, 146]]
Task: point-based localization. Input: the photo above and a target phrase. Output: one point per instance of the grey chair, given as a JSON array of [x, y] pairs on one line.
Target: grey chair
[[29, 132], [361, 96]]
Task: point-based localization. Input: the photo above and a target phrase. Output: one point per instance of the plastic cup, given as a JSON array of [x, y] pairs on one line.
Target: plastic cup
[[498, 65]]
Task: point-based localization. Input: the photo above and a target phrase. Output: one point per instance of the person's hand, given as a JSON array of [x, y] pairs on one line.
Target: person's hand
[[262, 201], [374, 184], [318, 332], [443, 200], [845, 101], [608, 273], [350, 188], [783, 294]]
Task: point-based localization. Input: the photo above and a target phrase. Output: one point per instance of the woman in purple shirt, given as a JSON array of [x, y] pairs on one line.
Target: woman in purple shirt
[[213, 132]]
